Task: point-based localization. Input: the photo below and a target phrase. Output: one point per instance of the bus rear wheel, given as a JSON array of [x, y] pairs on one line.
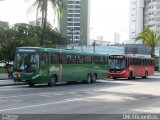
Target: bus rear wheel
[[146, 75], [130, 76], [88, 79], [31, 84], [52, 81], [114, 78], [94, 78]]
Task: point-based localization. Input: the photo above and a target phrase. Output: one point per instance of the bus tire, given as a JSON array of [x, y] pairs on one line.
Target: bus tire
[[53, 81], [146, 75], [130, 76], [31, 84], [94, 77], [88, 79]]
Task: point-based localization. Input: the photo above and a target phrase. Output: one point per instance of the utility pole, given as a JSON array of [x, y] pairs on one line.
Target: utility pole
[[94, 46]]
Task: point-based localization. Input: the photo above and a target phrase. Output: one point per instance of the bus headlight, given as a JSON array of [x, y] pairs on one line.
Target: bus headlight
[[17, 74], [123, 71]]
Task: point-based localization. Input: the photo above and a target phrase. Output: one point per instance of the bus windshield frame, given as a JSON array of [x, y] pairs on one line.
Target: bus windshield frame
[[27, 61], [117, 62]]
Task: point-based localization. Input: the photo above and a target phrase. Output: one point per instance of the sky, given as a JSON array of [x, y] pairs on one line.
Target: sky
[[107, 17]]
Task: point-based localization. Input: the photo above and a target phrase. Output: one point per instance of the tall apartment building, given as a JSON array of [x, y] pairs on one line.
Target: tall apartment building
[[136, 19], [152, 14], [144, 14], [4, 24], [75, 22], [37, 22]]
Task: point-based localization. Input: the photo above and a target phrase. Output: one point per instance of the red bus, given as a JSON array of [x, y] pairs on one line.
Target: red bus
[[125, 66]]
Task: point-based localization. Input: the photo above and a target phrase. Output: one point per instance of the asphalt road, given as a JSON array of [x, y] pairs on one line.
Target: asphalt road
[[104, 97]]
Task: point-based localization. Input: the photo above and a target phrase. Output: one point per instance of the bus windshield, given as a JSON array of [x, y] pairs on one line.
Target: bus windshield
[[26, 62], [117, 63]]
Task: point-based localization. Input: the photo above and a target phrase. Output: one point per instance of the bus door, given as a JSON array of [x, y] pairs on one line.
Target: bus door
[[44, 66], [131, 66], [55, 65], [70, 67]]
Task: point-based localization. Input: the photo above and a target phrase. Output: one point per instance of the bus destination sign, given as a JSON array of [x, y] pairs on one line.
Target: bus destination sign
[[26, 50], [116, 56]]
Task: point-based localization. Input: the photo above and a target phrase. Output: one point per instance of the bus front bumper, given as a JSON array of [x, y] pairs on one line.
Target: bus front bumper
[[117, 75]]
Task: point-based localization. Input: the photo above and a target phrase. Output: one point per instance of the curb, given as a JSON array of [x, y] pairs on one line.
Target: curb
[[14, 84], [5, 79]]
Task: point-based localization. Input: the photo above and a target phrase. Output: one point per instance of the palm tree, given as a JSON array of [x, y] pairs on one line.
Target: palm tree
[[150, 38], [42, 6]]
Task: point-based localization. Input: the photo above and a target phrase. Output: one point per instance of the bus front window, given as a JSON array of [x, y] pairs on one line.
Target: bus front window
[[27, 61], [117, 63]]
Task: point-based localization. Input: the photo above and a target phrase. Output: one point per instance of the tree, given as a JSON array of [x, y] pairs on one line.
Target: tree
[[22, 34], [42, 6], [17, 36], [150, 38]]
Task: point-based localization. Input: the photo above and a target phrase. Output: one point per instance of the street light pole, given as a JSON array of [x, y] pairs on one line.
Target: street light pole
[[94, 46]]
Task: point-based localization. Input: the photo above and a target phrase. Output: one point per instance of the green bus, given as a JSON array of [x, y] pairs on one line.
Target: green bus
[[36, 65]]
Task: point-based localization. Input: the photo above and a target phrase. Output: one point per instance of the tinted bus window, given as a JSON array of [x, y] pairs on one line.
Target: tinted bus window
[[80, 59], [73, 59], [105, 60], [64, 59], [44, 59], [53, 58], [88, 60]]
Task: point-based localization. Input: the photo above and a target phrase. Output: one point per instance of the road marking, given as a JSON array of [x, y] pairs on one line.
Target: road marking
[[40, 105], [28, 95], [44, 93]]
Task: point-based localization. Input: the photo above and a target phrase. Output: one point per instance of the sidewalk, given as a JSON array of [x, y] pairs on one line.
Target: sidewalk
[[3, 76], [4, 81], [156, 73]]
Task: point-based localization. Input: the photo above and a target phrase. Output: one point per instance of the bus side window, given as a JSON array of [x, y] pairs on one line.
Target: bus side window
[[73, 59], [54, 58], [93, 59], [129, 61], [44, 59], [59, 58], [79, 59], [87, 59], [68, 59], [64, 59], [104, 60]]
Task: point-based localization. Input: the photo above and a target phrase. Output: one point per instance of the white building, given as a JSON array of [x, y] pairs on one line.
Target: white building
[[37, 22], [152, 14], [136, 19], [75, 22], [4, 24], [143, 14]]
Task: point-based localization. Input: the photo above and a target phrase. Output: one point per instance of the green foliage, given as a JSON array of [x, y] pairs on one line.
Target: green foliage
[[26, 35], [150, 38], [3, 70], [42, 6]]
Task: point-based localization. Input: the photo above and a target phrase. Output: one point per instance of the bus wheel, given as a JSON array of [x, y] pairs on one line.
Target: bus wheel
[[130, 76], [94, 77], [31, 84], [88, 79], [146, 75], [52, 81]]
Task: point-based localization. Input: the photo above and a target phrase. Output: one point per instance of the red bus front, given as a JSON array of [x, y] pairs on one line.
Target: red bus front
[[118, 67], [121, 66]]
